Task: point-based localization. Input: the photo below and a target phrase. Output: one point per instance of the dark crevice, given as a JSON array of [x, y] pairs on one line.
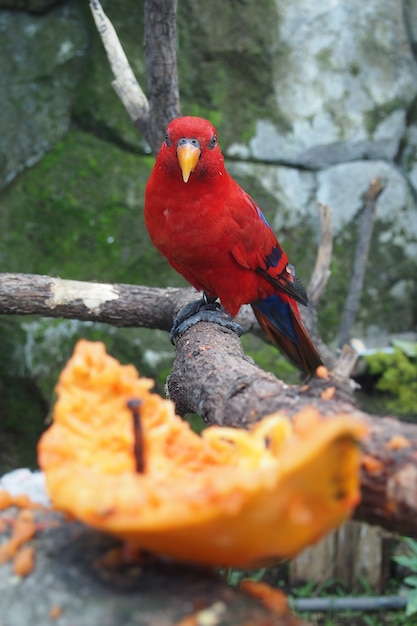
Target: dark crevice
[[21, 6], [407, 21], [90, 125]]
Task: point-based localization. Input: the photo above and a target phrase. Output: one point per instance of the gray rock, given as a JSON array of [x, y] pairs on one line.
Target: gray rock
[[410, 19], [344, 186], [40, 66], [293, 190], [31, 6], [23, 481], [345, 78], [71, 583], [409, 155]]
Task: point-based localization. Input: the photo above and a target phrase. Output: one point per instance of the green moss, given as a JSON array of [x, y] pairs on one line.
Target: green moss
[[397, 380], [270, 359], [389, 279], [374, 117], [34, 350], [325, 59], [79, 214], [12, 341], [354, 69], [225, 63], [412, 113], [97, 107], [22, 417]]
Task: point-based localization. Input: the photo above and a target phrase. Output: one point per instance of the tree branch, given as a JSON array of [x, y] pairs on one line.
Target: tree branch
[[160, 41], [321, 273], [150, 115], [366, 227], [115, 304], [212, 376], [124, 83], [318, 283]]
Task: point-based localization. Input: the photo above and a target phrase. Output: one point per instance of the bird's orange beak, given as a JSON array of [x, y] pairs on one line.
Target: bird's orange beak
[[188, 156]]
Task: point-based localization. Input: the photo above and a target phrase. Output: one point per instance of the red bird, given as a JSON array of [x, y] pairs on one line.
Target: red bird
[[214, 234]]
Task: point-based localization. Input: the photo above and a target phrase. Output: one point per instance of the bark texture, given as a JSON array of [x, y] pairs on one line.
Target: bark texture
[[213, 377]]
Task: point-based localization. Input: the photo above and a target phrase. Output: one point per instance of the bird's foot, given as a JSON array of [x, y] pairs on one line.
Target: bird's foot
[[205, 310]]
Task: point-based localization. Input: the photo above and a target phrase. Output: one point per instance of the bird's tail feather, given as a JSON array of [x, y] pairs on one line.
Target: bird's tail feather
[[280, 321]]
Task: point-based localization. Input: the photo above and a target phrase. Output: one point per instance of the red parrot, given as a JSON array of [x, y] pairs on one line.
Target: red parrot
[[215, 235]]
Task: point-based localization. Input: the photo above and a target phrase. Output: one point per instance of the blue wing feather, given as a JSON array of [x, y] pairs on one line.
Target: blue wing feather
[[279, 313], [261, 215]]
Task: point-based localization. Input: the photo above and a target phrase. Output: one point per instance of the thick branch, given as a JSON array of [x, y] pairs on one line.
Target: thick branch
[[212, 376], [119, 305], [115, 304], [234, 391], [160, 41], [389, 476]]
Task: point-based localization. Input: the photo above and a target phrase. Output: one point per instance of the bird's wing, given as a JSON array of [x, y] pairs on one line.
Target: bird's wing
[[259, 250]]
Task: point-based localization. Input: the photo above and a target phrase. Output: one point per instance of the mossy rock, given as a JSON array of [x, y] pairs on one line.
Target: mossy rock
[[33, 351], [226, 66], [79, 214]]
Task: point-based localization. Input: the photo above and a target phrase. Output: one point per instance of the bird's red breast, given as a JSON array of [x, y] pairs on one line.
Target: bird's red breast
[[208, 227], [215, 235]]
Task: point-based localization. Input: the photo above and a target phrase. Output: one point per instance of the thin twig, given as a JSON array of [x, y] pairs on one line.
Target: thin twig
[[321, 272], [318, 282], [150, 114], [124, 83], [345, 365], [366, 227]]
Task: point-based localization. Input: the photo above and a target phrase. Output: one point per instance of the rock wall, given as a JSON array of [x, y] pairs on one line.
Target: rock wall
[[312, 100], [40, 65]]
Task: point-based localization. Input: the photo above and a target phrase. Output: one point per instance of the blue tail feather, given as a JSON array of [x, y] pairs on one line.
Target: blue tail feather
[[280, 322], [279, 313]]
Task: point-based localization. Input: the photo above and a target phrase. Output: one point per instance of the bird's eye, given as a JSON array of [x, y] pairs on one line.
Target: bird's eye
[[167, 139], [212, 142]]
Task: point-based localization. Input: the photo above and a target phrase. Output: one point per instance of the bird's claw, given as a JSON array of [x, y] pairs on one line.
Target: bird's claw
[[204, 310]]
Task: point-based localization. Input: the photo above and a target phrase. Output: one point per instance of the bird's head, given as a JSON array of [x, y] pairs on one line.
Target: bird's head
[[193, 141]]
